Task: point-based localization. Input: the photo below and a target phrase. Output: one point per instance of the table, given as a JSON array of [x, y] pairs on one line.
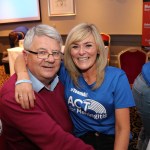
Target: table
[[12, 55]]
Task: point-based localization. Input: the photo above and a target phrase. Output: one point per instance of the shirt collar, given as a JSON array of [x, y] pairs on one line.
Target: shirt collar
[[38, 85]]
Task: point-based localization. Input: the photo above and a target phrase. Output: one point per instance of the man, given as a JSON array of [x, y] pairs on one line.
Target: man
[[47, 126]]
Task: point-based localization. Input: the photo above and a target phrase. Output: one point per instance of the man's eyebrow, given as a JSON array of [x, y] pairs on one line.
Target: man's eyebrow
[[42, 49]]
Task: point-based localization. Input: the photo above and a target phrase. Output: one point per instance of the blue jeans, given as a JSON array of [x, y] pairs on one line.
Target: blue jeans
[[141, 93]]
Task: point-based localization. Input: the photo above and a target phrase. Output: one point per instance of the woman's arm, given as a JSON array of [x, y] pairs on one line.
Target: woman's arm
[[24, 93], [122, 129], [20, 67]]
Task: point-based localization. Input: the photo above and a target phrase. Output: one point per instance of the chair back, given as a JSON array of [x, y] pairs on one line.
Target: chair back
[[131, 61]]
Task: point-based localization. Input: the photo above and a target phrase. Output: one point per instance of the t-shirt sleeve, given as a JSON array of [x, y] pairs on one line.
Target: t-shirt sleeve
[[63, 73]]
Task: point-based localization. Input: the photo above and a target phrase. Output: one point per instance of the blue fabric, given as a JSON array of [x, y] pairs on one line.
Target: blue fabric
[[21, 29], [141, 93], [146, 72], [95, 110], [142, 140]]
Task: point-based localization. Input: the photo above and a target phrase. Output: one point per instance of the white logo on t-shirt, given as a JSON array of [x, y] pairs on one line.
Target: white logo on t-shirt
[[87, 107]]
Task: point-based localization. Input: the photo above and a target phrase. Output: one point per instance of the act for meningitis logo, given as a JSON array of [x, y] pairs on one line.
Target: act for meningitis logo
[[87, 107]]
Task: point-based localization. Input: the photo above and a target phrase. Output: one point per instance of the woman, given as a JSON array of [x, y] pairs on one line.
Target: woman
[[98, 96]]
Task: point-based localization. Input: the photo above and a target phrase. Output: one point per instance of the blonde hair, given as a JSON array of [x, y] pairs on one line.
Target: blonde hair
[[77, 34]]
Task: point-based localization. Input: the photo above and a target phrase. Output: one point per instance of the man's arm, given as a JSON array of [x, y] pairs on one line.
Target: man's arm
[[24, 90]]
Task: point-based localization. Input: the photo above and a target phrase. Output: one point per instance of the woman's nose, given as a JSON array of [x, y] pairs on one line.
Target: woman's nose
[[81, 50]]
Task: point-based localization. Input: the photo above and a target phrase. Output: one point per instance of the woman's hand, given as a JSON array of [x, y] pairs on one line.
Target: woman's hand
[[24, 95]]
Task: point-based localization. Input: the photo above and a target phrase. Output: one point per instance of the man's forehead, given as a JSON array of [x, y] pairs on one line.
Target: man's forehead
[[49, 44]]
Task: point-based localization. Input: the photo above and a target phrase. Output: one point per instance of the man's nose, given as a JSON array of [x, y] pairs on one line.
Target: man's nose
[[50, 58]]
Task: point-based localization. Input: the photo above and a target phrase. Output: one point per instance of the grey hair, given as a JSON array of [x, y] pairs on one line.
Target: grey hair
[[40, 30]]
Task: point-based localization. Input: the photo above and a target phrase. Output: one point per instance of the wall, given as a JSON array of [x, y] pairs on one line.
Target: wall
[[111, 16], [115, 17]]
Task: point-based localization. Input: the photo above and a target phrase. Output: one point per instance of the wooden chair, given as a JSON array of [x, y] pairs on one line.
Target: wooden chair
[[107, 39], [131, 61]]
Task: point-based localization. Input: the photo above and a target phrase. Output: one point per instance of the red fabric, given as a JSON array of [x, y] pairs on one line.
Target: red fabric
[[146, 25], [106, 40], [105, 37], [47, 126], [2, 143], [131, 63]]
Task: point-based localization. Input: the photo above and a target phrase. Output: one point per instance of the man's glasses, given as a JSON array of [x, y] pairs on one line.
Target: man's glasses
[[44, 54]]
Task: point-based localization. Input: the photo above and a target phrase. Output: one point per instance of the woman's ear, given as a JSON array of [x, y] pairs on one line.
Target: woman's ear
[[98, 51]]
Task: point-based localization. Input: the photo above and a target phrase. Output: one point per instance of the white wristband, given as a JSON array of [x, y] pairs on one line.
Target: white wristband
[[23, 81]]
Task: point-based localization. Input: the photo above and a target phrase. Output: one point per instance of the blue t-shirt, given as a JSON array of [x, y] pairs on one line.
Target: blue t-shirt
[[95, 110], [146, 72]]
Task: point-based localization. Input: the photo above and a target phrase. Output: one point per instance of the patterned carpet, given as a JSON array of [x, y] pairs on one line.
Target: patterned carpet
[[135, 119], [135, 127], [3, 75]]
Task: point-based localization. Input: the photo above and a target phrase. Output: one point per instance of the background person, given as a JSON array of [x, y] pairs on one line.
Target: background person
[[16, 35], [48, 125], [97, 95], [141, 93]]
